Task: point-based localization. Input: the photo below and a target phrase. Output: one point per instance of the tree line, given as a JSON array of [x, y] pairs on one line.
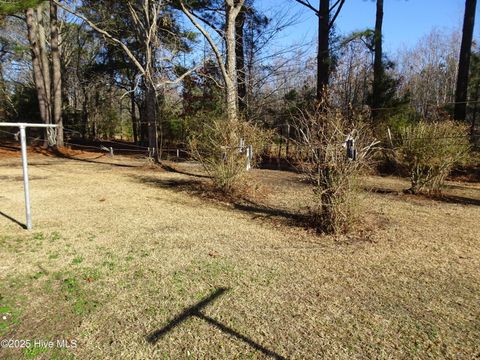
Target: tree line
[[151, 71]]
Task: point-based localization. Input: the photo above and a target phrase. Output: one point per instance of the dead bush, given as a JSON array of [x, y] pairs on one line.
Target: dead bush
[[338, 151], [428, 151], [221, 148]]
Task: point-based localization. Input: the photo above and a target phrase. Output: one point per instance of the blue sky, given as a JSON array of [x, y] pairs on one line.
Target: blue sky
[[405, 21]]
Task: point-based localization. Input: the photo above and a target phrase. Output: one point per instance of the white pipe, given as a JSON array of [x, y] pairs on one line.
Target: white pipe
[[28, 125], [23, 140]]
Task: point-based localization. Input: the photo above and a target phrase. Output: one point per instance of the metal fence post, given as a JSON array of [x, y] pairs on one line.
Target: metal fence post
[[23, 143], [28, 213], [249, 156]]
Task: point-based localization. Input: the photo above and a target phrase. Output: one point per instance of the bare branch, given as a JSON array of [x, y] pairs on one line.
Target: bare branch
[[104, 33], [238, 7], [339, 8], [181, 77], [308, 5], [207, 36], [209, 23], [334, 5]]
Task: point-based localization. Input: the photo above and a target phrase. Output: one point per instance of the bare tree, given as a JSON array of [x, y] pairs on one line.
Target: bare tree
[[56, 73], [50, 107], [240, 59], [40, 69], [428, 72], [145, 15], [351, 79], [228, 65]]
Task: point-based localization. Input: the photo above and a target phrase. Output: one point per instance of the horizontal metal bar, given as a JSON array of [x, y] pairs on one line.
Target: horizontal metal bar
[[28, 125]]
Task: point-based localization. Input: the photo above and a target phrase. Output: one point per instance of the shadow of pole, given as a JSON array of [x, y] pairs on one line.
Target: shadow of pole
[[239, 336], [191, 311], [13, 220], [195, 311]]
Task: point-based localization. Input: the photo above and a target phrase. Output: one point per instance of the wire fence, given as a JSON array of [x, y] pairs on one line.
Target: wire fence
[[103, 147], [269, 150]]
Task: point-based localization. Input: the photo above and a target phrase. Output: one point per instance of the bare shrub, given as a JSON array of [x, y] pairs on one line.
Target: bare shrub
[[332, 171], [429, 151], [217, 148]]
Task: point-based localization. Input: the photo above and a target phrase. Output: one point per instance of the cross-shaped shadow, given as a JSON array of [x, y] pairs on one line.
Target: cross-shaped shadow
[[195, 311]]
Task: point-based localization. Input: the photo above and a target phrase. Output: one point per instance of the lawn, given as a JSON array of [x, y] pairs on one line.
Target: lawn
[[131, 262]]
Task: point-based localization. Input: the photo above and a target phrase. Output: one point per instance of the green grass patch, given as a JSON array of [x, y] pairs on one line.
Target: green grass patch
[[37, 275], [91, 274], [38, 236], [34, 351], [77, 260], [55, 236], [9, 317], [76, 295]]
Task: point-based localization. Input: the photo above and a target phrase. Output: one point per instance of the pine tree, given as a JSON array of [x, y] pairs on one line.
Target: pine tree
[[326, 19], [464, 61]]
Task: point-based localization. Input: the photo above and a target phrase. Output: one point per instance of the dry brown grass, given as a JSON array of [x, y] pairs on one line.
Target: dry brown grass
[[118, 252]]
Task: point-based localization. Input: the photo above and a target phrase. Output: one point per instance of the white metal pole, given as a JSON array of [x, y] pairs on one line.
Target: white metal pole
[[23, 140], [249, 157]]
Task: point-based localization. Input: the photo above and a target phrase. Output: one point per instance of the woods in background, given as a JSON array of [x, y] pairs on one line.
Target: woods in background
[[151, 72]]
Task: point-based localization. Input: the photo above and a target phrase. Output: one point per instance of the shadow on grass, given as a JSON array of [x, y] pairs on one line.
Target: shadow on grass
[[64, 156], [13, 220], [289, 217], [181, 185], [195, 311], [467, 173], [8, 147], [175, 170], [379, 190], [201, 189], [446, 198], [453, 199]]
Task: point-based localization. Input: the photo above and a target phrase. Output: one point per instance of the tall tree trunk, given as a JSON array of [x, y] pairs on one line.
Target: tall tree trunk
[[323, 55], [85, 114], [151, 118], [231, 80], [44, 62], [3, 97], [45, 68], [33, 38], [475, 109], [249, 69], [56, 73], [240, 61], [460, 112], [143, 121], [378, 62], [133, 116], [228, 68]]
